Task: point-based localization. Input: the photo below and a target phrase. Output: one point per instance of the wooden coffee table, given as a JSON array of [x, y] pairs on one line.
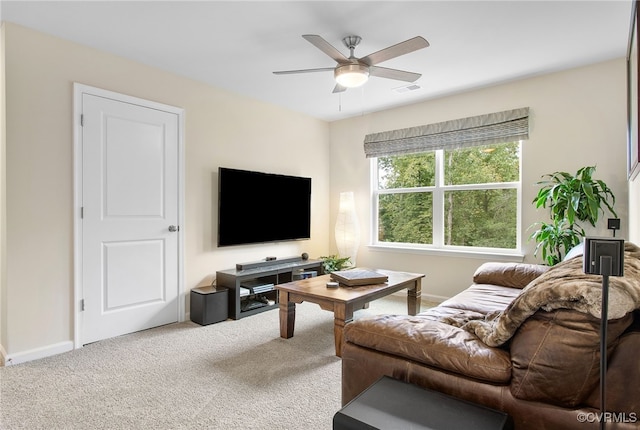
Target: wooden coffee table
[[343, 301]]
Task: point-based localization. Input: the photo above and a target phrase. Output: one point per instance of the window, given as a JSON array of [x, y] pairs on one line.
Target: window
[[449, 198], [449, 185]]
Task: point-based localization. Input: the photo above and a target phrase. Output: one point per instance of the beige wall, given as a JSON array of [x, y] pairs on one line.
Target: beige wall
[[577, 119], [222, 129]]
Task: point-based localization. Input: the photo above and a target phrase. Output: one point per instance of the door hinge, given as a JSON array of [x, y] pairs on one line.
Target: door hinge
[[81, 212], [81, 120], [81, 305]]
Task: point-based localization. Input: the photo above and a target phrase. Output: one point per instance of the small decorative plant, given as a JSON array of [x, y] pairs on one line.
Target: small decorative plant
[[333, 263], [571, 199]]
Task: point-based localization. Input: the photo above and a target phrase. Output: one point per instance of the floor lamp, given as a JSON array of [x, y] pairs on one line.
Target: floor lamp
[[347, 230], [604, 256]]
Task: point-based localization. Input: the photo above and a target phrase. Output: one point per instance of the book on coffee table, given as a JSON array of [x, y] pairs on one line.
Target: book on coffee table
[[355, 277]]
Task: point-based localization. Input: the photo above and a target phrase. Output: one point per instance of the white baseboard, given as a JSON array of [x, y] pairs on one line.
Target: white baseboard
[[35, 354], [433, 298], [423, 297]]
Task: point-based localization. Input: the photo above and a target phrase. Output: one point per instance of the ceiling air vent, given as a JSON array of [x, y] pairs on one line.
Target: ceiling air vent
[[407, 88]]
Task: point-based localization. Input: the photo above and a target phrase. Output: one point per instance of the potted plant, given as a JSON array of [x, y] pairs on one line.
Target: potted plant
[[571, 199], [555, 240], [333, 263]]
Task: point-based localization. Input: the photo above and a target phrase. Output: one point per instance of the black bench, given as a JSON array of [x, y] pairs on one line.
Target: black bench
[[392, 404]]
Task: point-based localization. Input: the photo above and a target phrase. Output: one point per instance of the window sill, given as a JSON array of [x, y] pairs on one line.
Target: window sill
[[481, 254]]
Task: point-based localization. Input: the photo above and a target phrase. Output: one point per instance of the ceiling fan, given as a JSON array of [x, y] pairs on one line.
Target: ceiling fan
[[353, 72]]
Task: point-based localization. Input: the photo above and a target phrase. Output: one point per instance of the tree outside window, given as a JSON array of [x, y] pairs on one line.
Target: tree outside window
[[450, 198]]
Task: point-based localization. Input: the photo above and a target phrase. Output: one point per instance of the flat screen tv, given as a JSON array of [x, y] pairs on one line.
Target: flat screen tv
[[256, 207]]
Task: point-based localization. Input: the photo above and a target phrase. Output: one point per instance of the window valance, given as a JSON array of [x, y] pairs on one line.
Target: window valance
[[498, 127]]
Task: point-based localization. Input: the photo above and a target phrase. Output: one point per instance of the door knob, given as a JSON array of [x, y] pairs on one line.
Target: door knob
[[173, 228]]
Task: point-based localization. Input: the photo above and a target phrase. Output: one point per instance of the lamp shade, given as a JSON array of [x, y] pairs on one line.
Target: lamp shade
[[347, 230], [351, 75]]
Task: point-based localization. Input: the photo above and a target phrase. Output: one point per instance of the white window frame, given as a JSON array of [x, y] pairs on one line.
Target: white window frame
[[438, 247]]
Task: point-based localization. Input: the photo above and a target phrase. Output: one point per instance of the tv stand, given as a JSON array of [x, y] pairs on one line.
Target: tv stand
[[252, 290]]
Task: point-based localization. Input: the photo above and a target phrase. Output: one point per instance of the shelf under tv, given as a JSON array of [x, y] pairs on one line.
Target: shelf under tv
[[274, 273]]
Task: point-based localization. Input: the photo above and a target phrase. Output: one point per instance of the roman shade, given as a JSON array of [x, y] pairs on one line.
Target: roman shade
[[498, 127]]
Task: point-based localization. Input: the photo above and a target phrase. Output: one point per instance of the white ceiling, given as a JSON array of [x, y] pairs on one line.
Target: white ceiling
[[237, 45]]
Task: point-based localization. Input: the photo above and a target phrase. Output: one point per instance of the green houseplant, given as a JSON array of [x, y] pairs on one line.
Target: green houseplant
[[333, 263], [571, 199]]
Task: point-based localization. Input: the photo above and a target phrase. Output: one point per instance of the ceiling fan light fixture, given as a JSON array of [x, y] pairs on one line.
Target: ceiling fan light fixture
[[351, 75]]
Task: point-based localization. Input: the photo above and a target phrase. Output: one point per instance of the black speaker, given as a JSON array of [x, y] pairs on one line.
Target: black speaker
[[596, 247], [613, 223], [209, 305]]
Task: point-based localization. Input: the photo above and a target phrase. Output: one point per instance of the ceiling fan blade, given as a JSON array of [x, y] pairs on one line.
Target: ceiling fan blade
[[398, 75], [326, 47], [291, 72], [394, 51], [339, 89]]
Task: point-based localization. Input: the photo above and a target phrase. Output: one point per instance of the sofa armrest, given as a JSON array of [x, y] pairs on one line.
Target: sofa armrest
[[561, 345], [514, 275], [431, 343], [623, 377]]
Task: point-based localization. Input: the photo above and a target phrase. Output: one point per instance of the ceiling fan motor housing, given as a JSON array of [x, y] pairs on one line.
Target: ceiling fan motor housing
[[351, 42]]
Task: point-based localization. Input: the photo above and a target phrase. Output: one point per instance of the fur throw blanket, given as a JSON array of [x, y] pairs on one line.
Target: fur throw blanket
[[564, 286]]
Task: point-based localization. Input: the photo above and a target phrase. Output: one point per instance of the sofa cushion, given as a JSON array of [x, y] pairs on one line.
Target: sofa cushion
[[562, 345], [514, 275], [475, 302], [431, 343], [574, 252]]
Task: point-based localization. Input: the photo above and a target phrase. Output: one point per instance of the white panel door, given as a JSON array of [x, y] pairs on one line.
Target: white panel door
[[129, 200]]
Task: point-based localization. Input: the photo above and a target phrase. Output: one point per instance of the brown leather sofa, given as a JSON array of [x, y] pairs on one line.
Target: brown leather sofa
[[545, 377]]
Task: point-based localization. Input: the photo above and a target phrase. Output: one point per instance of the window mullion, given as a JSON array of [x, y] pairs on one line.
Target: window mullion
[[374, 185], [438, 201]]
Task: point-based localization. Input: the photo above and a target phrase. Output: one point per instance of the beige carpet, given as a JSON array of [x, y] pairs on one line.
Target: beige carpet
[[230, 375]]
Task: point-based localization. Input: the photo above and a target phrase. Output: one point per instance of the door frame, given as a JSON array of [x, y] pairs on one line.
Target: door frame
[[78, 91]]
